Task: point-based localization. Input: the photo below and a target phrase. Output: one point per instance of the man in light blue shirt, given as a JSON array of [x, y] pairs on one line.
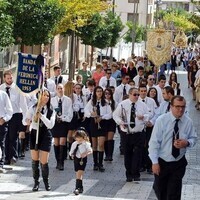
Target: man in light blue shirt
[[172, 134]]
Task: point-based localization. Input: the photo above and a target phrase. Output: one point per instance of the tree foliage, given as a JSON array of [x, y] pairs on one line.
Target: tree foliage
[[35, 20], [77, 13], [139, 32], [101, 31], [6, 25], [182, 20]]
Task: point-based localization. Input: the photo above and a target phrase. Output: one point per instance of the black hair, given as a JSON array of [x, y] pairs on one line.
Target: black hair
[[112, 105], [94, 98]]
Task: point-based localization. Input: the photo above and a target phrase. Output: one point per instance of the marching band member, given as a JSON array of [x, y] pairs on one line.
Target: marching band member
[[19, 105], [97, 109], [111, 126], [69, 92], [107, 81], [151, 104], [43, 113], [120, 94], [64, 113], [132, 115]]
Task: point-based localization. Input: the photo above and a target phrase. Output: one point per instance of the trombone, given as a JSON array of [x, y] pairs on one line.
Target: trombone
[[96, 117]]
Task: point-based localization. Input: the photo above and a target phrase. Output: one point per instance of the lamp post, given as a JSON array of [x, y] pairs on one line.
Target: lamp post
[[158, 2], [135, 19]]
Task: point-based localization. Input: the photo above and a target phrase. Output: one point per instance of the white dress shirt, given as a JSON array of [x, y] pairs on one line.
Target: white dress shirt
[[67, 111], [79, 103], [63, 79], [136, 80], [18, 100], [103, 82], [49, 123], [151, 104], [160, 96], [84, 147], [105, 111], [141, 110], [6, 110], [118, 94], [51, 86]]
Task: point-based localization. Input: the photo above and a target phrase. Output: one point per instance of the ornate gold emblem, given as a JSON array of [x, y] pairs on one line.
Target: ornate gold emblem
[[159, 43], [181, 40]]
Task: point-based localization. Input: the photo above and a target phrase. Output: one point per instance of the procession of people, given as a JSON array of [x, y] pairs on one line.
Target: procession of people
[[81, 117]]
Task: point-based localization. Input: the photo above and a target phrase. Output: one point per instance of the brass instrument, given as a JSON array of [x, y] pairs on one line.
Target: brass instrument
[[58, 115], [125, 127], [95, 118]]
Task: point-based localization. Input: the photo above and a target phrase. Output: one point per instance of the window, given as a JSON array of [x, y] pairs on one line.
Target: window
[[133, 1], [133, 17]]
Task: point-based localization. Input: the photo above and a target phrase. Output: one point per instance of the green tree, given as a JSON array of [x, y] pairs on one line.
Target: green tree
[[101, 31], [139, 32], [6, 25], [35, 21]]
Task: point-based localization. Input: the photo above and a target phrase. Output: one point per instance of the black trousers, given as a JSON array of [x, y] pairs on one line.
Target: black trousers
[[132, 156], [14, 126], [3, 132], [168, 184]]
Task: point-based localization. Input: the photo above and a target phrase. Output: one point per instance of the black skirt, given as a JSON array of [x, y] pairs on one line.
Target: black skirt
[[110, 125], [76, 121], [60, 129], [80, 163], [44, 140], [95, 131]]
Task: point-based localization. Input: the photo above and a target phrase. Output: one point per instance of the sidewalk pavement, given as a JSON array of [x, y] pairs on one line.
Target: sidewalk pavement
[[17, 183]]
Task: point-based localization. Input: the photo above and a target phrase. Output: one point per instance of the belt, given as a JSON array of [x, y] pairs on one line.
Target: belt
[[131, 133]]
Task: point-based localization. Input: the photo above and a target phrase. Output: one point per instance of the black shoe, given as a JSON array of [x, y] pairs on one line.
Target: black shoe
[[36, 186], [149, 171], [80, 190], [106, 159], [137, 179], [7, 162], [110, 159], [61, 167], [76, 191], [101, 169], [95, 168], [129, 179]]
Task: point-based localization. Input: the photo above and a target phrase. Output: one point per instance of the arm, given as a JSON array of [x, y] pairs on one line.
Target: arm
[[49, 123], [9, 110]]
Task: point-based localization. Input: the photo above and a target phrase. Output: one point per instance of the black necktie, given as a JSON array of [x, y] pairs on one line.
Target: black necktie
[[75, 150], [124, 91], [8, 91], [45, 83], [108, 83], [98, 108], [143, 100], [56, 80], [60, 107], [168, 107], [140, 79], [132, 118], [175, 151], [90, 96]]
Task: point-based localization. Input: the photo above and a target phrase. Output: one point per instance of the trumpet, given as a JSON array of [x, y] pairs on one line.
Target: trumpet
[[125, 127], [96, 118]]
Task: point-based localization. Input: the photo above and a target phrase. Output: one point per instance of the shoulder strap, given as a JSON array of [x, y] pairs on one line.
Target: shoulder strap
[[49, 113]]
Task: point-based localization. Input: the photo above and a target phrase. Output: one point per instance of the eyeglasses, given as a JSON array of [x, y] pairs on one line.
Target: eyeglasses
[[179, 107], [136, 95], [152, 79]]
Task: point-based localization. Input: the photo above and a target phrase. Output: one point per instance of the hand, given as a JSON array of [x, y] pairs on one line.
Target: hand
[[2, 121], [83, 155], [149, 124], [180, 143], [28, 122], [156, 169], [140, 117], [98, 119], [93, 114]]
